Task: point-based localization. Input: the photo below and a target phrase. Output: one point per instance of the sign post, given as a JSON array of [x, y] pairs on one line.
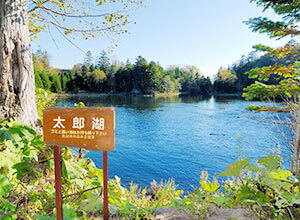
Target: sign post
[[88, 128], [58, 194], [105, 190]]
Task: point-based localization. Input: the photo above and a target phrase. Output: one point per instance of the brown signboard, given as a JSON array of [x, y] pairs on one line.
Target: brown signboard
[[89, 128]]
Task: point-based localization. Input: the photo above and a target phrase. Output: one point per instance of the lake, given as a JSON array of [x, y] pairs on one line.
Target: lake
[[178, 137]]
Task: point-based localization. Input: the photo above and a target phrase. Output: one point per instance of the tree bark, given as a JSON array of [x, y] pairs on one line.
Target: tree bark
[[17, 86]]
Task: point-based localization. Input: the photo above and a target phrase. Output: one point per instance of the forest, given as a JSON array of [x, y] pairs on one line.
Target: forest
[[104, 76], [142, 77]]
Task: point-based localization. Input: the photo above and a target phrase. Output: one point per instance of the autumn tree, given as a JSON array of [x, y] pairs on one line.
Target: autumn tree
[[18, 17], [95, 80], [225, 81], [167, 84], [288, 73], [41, 60]]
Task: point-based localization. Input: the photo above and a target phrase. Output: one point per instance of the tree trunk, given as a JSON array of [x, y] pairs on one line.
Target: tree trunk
[[17, 86]]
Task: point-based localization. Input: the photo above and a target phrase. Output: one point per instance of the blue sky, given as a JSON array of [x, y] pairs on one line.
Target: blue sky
[[206, 34]]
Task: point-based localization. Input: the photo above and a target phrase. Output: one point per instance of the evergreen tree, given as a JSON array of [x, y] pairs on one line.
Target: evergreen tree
[[103, 62], [63, 80], [88, 59], [45, 80], [38, 80], [139, 70], [71, 86], [56, 83]]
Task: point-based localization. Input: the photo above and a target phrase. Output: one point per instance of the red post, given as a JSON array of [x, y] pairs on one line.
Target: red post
[[58, 195], [105, 190]]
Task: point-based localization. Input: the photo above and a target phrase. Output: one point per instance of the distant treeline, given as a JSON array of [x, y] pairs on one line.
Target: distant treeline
[[141, 77], [106, 77]]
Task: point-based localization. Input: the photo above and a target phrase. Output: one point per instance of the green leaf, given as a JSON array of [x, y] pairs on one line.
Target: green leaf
[[277, 181], [72, 169], [7, 206], [249, 202], [249, 194], [5, 185], [260, 47], [8, 159], [38, 141], [50, 164], [69, 212], [287, 196], [18, 130], [96, 183], [236, 168], [271, 162], [22, 167], [221, 200], [9, 217], [281, 203], [5, 135], [93, 204], [297, 200]]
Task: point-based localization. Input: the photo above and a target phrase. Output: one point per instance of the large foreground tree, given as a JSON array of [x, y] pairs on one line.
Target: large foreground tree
[[18, 24], [17, 87]]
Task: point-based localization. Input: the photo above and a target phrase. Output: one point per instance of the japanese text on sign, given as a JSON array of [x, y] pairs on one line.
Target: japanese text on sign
[[90, 128], [97, 123]]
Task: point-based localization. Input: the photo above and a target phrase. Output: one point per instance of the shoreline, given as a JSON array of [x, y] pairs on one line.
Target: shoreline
[[227, 94], [154, 95]]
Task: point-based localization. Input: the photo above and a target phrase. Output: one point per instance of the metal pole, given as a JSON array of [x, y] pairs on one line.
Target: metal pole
[[105, 191], [58, 195]]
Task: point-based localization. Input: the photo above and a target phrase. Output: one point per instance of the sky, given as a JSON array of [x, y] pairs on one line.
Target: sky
[[206, 34]]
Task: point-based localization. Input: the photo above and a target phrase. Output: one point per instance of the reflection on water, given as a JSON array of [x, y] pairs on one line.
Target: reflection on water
[[178, 137], [134, 102]]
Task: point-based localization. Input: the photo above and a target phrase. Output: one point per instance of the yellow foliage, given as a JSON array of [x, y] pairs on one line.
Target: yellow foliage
[[61, 14], [208, 186], [225, 74], [39, 65]]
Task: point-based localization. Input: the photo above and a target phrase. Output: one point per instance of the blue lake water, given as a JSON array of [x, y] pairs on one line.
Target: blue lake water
[[178, 137]]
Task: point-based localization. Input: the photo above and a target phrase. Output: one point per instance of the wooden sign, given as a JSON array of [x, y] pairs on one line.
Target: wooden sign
[[89, 128]]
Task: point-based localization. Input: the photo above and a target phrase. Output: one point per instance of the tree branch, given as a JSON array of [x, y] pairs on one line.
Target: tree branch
[[36, 7], [69, 40], [77, 30], [76, 16], [81, 192]]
